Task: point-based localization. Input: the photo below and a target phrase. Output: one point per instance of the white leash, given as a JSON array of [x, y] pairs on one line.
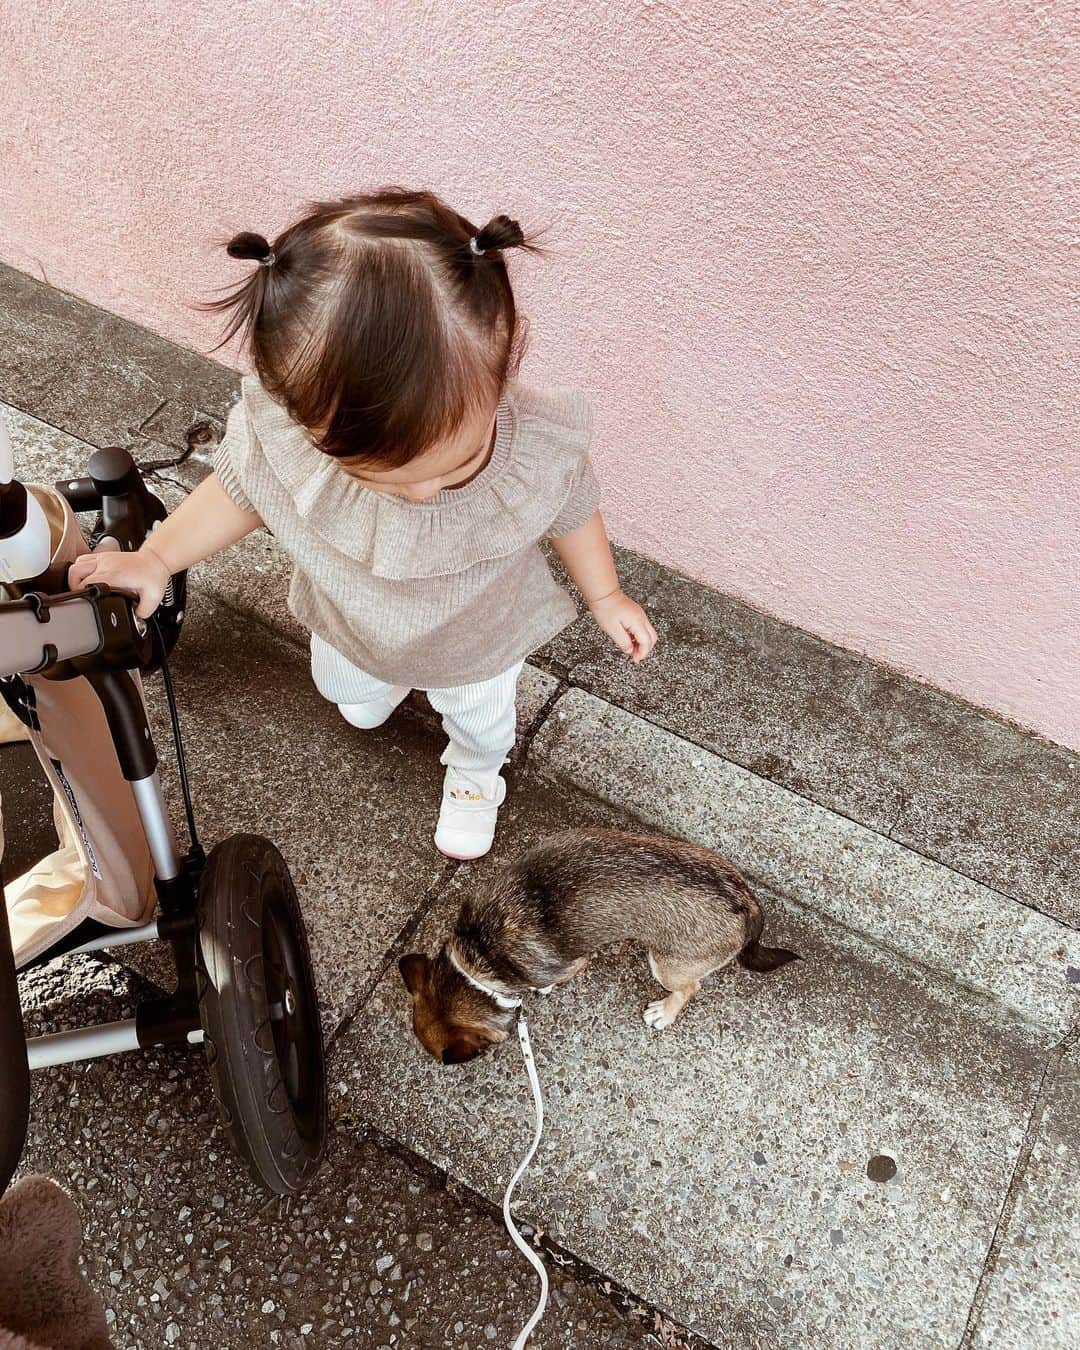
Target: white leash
[[511, 1227], [506, 1002]]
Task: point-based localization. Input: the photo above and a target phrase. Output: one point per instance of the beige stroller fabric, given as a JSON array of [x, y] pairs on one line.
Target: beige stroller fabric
[[101, 868]]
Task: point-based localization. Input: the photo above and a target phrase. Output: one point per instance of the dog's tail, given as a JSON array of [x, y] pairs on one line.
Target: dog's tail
[[762, 959]]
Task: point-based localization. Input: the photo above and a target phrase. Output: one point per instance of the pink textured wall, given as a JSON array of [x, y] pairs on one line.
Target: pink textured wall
[[809, 258]]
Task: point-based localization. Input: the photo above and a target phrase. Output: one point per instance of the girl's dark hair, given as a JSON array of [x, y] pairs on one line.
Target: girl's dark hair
[[379, 322]]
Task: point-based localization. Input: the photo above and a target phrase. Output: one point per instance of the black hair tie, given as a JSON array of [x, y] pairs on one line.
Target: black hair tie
[[251, 246]]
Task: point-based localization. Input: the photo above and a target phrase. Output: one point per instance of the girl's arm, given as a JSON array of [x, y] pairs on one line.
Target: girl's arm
[[586, 554], [206, 522]]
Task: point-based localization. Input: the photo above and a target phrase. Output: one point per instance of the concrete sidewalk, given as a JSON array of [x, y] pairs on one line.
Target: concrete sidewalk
[[876, 1147]]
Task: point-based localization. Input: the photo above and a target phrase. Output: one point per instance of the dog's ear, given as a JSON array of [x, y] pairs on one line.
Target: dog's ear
[[414, 968], [460, 1050]]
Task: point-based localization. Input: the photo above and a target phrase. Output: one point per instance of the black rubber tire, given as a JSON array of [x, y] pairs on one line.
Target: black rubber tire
[[268, 1073]]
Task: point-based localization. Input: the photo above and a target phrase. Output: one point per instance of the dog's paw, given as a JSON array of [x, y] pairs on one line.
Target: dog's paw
[[659, 1015]]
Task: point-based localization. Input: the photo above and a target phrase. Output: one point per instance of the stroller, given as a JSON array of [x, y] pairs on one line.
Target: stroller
[[71, 671]]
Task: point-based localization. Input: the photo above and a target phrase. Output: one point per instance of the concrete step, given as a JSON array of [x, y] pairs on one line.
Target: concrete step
[[954, 783], [907, 904]]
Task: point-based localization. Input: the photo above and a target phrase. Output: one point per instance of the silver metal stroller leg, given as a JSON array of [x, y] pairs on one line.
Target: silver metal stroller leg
[[120, 937], [64, 1047], [67, 1047], [159, 832]]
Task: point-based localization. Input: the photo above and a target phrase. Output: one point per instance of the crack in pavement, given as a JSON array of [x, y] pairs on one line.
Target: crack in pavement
[[402, 938], [1050, 1072]]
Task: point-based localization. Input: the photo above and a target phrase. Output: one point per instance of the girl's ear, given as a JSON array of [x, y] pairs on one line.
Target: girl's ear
[[414, 968]]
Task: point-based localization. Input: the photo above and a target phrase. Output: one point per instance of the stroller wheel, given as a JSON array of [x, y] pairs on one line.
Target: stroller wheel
[[260, 1013]]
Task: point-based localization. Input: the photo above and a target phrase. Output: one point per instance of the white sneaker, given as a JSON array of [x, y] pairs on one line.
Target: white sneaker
[[368, 716], [467, 819]]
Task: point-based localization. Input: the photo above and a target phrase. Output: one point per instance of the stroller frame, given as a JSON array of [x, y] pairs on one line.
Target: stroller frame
[[123, 644], [244, 987]]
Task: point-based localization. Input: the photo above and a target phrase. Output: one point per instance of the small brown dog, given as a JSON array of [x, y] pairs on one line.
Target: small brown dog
[[544, 915]]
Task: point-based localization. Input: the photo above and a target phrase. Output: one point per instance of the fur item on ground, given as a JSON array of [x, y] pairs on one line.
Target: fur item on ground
[[45, 1304], [540, 919]]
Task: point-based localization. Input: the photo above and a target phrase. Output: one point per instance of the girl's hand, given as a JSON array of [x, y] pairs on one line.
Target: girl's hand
[[626, 624], [142, 572]]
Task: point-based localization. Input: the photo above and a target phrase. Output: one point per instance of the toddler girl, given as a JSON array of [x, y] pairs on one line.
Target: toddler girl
[[385, 444]]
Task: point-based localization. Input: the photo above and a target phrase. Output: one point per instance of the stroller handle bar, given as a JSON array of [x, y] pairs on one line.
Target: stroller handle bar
[[62, 636], [34, 636], [115, 487]]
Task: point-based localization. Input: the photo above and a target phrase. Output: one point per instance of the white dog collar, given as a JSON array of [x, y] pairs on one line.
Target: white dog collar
[[504, 1001]]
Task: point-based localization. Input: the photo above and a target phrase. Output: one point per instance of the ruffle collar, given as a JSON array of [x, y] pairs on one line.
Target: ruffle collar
[[507, 507]]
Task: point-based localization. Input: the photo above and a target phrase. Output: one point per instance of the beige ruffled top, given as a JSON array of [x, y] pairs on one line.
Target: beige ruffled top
[[429, 594]]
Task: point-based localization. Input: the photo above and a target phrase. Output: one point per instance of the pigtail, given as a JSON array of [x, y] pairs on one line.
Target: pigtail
[[243, 305], [481, 267], [501, 232]]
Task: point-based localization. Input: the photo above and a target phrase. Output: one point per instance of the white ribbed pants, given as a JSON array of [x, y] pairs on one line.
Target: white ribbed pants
[[480, 720]]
